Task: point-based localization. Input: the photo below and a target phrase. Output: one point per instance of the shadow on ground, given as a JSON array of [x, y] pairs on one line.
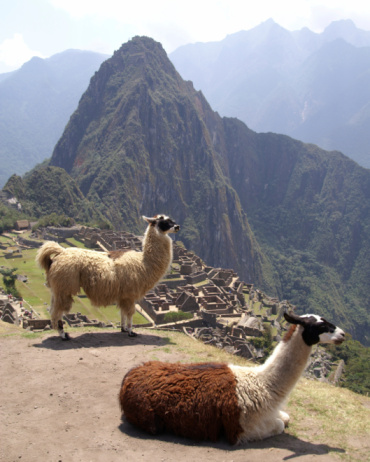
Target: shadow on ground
[[296, 446], [100, 339]]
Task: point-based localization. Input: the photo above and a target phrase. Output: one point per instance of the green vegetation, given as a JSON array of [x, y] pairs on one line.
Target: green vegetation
[[265, 342], [8, 217], [9, 278], [357, 365], [175, 316], [51, 195], [53, 220]]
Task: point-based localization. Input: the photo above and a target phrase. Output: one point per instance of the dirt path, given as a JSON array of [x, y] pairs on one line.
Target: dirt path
[[59, 403]]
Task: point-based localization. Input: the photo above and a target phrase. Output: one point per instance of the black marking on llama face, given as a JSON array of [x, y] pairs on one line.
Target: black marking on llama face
[[314, 328], [165, 224]]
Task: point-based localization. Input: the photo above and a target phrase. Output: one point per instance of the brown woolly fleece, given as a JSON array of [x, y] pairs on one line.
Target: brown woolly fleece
[[196, 401]]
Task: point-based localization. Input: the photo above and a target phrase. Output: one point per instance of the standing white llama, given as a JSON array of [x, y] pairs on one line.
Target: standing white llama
[[121, 277]]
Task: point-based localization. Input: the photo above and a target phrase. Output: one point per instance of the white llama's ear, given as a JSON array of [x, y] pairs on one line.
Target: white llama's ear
[[151, 221]]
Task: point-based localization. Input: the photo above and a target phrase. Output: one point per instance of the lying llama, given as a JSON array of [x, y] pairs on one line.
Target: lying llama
[[201, 401], [121, 277]]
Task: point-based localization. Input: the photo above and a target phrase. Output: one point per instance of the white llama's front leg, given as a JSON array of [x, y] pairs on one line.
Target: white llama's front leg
[[272, 427], [284, 417], [262, 429], [130, 315], [123, 322]]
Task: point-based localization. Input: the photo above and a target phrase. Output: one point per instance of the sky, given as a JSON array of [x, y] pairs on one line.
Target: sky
[[45, 27]]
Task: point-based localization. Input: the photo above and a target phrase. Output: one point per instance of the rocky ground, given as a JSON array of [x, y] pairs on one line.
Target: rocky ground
[[59, 403]]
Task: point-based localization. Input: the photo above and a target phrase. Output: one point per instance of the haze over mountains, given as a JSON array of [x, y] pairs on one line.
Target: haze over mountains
[[36, 102], [289, 217], [313, 87]]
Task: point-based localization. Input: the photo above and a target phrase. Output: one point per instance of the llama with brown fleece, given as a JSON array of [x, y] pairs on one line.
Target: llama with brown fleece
[[202, 401], [107, 277]]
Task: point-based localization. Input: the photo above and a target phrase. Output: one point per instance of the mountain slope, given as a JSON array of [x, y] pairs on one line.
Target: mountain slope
[[310, 211], [313, 87], [35, 104], [47, 190]]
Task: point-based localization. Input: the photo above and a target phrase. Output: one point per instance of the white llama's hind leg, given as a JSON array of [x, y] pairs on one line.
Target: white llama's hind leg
[[58, 306], [127, 313]]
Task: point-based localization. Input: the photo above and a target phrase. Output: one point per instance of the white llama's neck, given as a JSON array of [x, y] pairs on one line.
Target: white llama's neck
[[157, 250], [286, 364]]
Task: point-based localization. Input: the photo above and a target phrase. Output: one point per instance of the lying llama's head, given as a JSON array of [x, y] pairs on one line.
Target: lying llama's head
[[315, 329], [163, 224]]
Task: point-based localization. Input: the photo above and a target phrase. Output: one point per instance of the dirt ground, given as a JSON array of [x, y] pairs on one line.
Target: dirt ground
[[59, 402]]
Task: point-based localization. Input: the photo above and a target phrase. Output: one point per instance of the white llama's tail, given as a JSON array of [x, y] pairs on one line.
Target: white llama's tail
[[45, 252]]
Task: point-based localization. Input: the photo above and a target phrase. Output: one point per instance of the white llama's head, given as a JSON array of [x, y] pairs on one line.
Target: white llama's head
[[163, 223]]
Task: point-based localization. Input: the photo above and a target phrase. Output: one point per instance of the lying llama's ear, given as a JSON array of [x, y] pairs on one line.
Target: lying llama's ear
[[292, 318]]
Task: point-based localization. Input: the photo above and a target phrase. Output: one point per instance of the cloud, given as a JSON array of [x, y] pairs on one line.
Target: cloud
[[14, 52]]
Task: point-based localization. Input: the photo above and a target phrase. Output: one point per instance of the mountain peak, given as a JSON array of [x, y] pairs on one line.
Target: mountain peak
[[340, 27], [347, 30]]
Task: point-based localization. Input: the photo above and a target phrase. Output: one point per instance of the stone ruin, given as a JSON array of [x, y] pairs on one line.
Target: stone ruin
[[80, 320]]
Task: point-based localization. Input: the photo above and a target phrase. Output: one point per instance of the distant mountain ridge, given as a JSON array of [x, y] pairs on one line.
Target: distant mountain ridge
[[36, 102], [313, 87]]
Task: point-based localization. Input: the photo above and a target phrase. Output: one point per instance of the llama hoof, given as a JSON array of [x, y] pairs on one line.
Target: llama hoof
[[65, 336], [132, 334]]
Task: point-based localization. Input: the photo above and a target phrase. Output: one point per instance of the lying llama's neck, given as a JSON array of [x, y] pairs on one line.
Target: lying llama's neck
[[287, 362], [157, 251]]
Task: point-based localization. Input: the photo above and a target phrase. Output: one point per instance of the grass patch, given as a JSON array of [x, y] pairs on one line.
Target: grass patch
[[341, 417], [75, 243]]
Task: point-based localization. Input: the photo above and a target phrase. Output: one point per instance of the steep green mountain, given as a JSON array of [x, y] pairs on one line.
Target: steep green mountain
[[35, 104], [313, 87], [287, 216], [310, 211], [50, 190], [139, 143]]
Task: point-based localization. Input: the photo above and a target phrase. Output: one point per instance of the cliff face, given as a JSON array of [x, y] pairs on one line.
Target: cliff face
[[287, 216]]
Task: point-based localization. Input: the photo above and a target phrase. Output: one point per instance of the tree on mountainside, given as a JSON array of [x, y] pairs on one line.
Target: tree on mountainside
[[9, 278]]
